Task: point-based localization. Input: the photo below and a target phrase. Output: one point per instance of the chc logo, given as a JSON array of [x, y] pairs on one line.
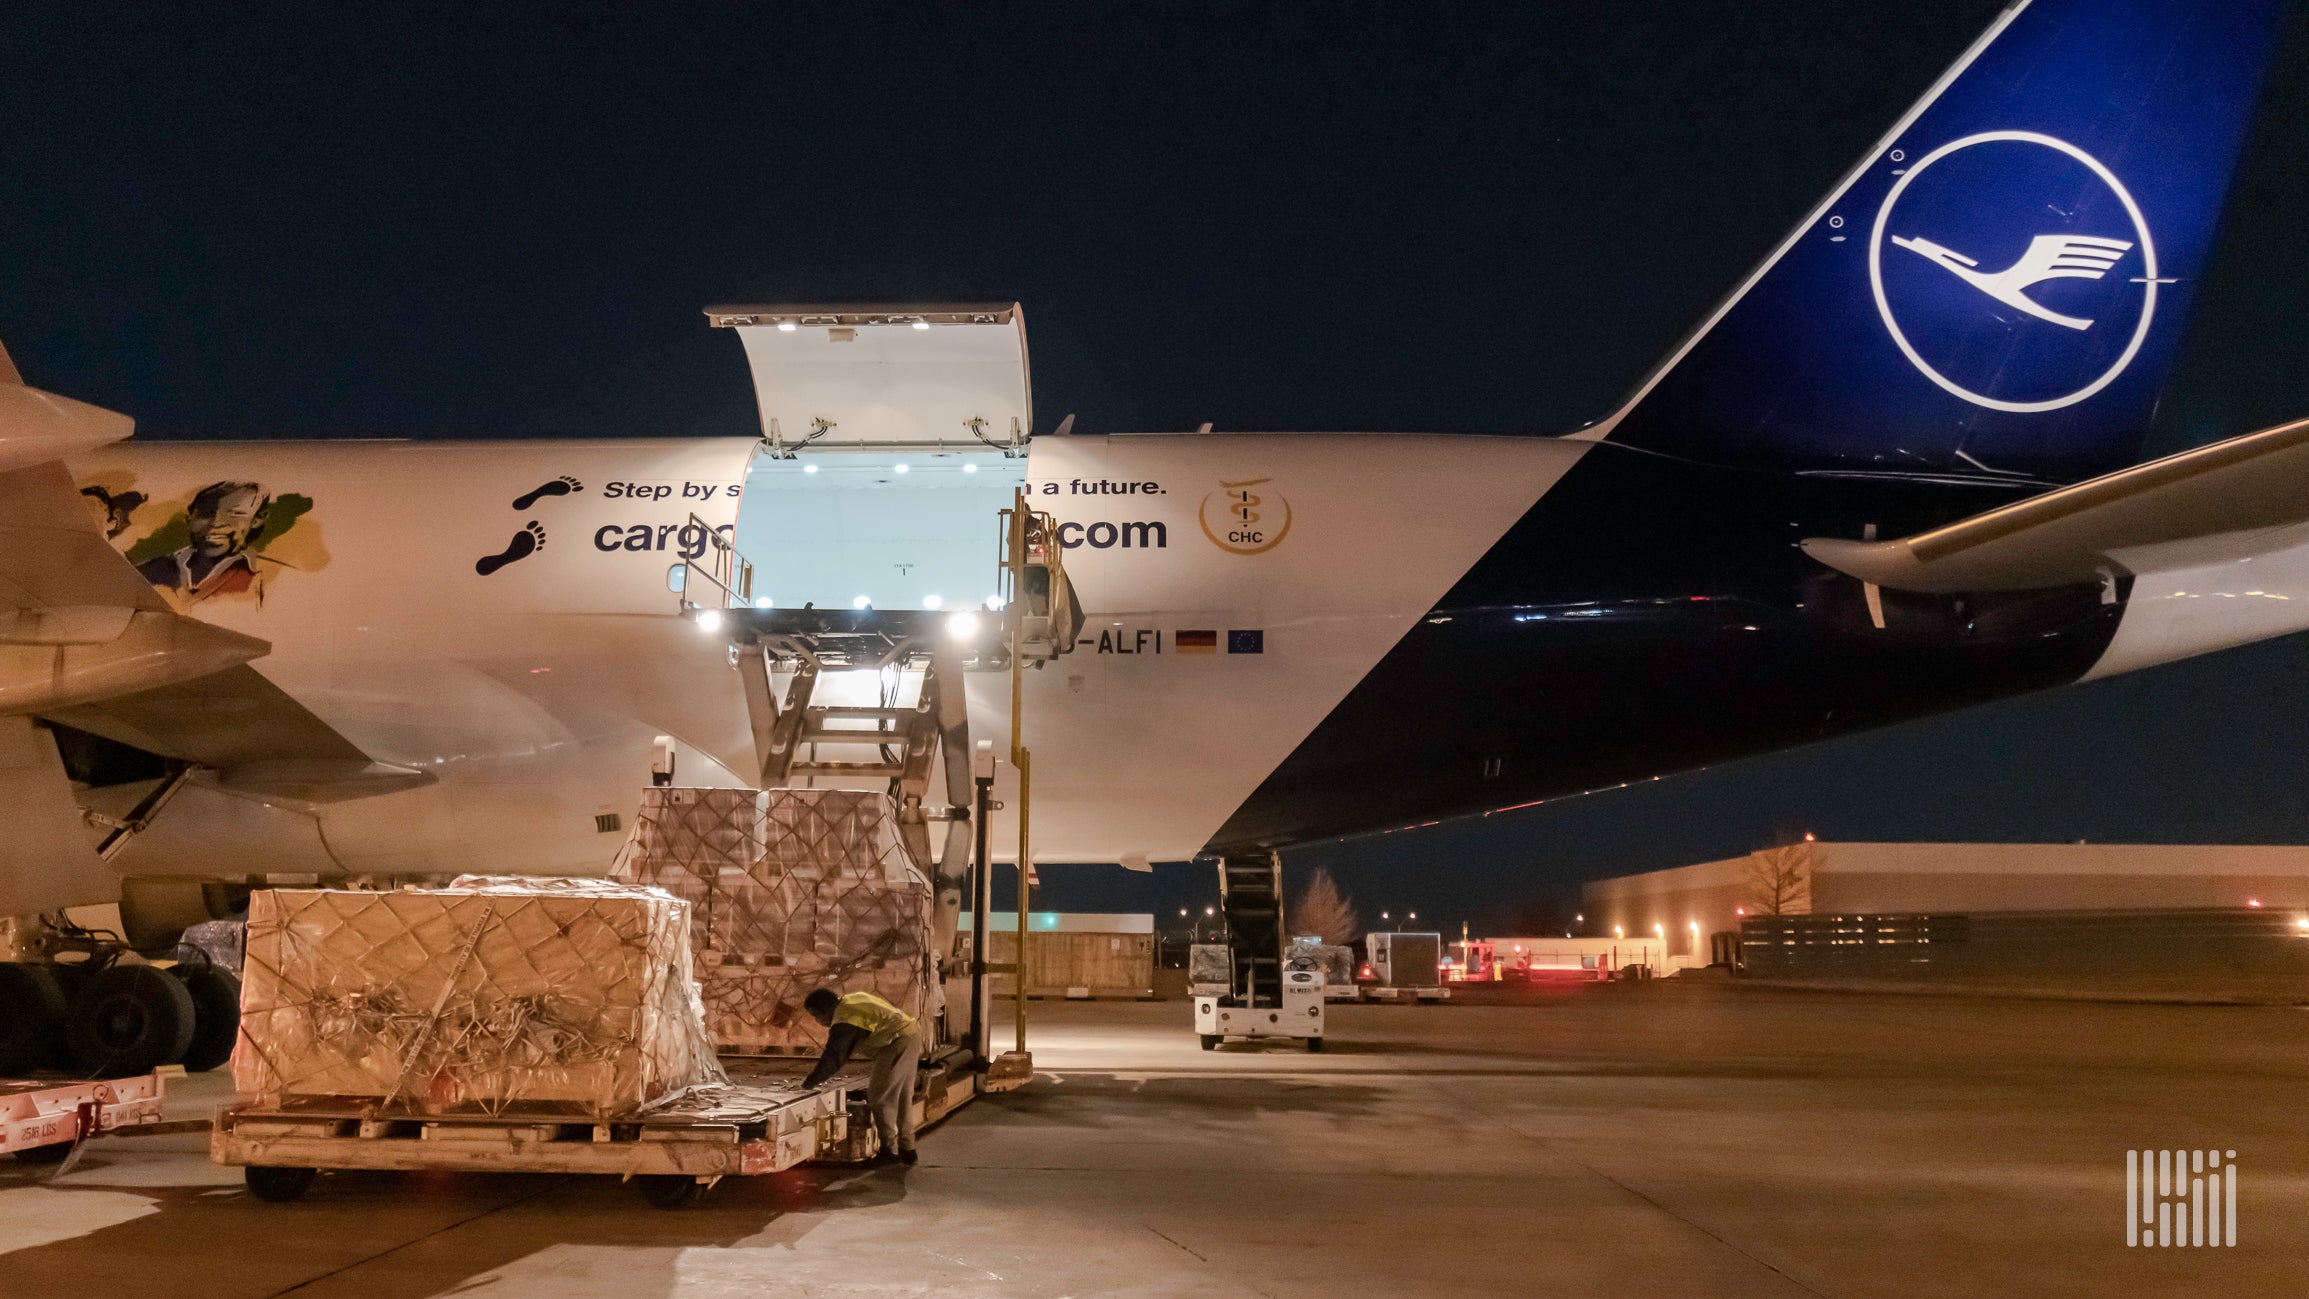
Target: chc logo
[[1246, 518], [2076, 292]]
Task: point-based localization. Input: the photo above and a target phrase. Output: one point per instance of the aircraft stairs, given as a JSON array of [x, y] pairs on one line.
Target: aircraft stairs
[[1251, 900]]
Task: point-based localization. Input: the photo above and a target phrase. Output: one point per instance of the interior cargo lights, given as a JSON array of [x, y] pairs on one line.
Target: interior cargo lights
[[862, 602], [787, 326], [963, 626], [931, 602]]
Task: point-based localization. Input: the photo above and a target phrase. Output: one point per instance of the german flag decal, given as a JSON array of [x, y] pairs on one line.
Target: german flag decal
[[1196, 642]]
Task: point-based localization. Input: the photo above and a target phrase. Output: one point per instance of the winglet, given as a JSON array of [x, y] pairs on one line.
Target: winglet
[[37, 427]]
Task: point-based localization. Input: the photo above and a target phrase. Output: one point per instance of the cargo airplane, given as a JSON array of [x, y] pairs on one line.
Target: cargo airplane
[[1890, 474]]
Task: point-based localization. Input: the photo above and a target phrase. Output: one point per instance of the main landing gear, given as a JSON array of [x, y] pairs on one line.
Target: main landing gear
[[109, 1017]]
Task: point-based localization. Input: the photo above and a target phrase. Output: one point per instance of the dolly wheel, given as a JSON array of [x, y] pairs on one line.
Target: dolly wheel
[[670, 1190], [278, 1185], [1314, 1044], [1210, 1041], [52, 1153]]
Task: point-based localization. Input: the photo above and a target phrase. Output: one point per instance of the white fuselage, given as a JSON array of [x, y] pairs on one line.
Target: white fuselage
[[533, 693]]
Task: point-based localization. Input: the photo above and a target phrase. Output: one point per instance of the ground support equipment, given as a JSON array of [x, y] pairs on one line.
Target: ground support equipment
[[1271, 995], [43, 1119], [759, 1125]]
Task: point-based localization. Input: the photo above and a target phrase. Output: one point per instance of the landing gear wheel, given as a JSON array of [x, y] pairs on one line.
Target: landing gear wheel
[[216, 1006], [130, 1019], [1314, 1044], [670, 1190], [277, 1185], [70, 979], [1210, 1041], [32, 1010], [71, 976]]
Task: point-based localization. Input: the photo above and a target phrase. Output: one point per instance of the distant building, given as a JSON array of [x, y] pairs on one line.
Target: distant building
[[1687, 906]]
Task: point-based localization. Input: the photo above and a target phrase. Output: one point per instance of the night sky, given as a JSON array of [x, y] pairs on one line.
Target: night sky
[[276, 220]]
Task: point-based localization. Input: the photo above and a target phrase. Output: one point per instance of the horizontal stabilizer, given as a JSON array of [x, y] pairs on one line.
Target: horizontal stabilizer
[[2229, 500]]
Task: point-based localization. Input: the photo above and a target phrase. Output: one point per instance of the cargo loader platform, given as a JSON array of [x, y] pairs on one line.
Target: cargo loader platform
[[674, 1153], [763, 1122]]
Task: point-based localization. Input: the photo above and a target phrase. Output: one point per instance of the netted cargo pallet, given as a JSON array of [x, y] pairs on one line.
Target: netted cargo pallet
[[790, 890], [566, 996]]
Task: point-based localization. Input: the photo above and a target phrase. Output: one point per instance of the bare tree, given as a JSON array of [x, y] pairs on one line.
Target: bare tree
[[1325, 912], [1780, 880]]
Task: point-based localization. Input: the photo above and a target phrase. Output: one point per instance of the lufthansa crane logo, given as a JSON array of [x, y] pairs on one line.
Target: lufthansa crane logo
[[2076, 292], [1246, 518]]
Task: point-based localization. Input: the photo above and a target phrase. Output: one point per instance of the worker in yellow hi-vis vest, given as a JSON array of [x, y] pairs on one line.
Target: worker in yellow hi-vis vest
[[860, 1023]]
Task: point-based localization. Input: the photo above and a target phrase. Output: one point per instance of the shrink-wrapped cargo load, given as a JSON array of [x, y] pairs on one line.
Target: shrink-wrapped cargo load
[[790, 889], [493, 994]]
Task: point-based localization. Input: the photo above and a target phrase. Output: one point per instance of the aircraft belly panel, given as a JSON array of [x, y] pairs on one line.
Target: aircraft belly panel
[[1652, 616]]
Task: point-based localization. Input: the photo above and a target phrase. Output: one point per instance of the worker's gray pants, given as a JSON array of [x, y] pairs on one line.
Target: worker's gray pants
[[891, 1091]]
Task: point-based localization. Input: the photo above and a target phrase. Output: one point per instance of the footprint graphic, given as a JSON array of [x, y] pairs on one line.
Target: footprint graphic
[[524, 544], [561, 486]]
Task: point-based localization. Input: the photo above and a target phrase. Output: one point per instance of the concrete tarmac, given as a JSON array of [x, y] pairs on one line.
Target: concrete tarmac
[[1678, 1138]]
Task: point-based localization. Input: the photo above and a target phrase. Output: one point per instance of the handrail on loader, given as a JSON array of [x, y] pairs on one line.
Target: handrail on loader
[[1039, 608], [729, 572]]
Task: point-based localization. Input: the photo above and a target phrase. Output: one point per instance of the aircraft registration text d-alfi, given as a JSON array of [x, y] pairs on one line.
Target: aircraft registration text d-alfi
[[250, 660]]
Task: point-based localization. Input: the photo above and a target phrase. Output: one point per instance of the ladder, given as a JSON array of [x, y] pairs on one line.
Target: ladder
[[1251, 898], [897, 740]]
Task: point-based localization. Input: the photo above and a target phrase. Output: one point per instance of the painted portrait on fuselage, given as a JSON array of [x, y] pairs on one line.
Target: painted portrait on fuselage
[[225, 541]]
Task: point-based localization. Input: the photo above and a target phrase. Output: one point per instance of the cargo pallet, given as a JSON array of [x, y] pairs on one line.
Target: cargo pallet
[[43, 1119], [764, 1122], [673, 1154]]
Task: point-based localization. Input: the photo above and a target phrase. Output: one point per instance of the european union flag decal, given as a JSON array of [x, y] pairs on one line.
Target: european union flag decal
[[1246, 642]]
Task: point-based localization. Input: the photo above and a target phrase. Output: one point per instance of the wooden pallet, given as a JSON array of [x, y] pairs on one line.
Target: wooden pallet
[[743, 1130], [764, 1122]]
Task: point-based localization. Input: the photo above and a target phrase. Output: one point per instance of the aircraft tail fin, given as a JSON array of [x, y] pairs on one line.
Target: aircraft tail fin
[[1998, 288]]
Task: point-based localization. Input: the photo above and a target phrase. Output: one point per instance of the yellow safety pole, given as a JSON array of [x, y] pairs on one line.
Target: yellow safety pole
[[1019, 758], [1024, 761]]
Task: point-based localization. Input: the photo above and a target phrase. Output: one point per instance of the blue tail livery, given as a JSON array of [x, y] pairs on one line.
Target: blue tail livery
[[1999, 287]]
